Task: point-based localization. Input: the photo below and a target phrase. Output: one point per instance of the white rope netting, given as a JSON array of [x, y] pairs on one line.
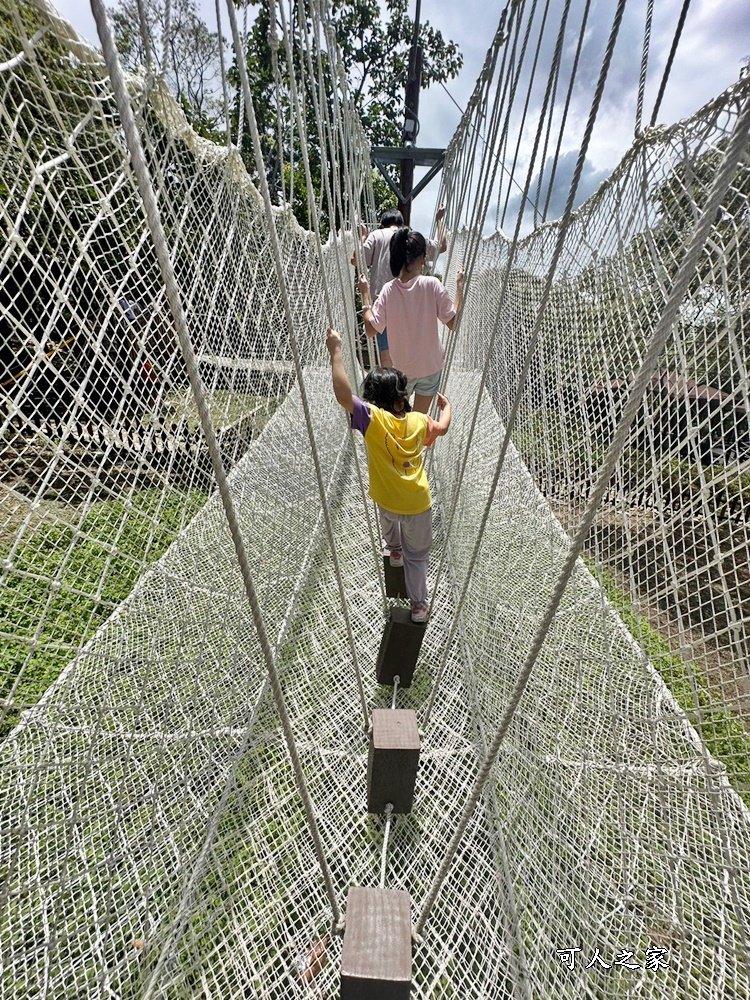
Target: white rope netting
[[153, 836]]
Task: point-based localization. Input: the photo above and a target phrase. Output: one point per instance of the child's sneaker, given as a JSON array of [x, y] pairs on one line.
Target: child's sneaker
[[396, 558], [418, 612]]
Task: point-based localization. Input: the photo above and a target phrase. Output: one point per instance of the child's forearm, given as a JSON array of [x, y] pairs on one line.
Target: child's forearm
[[364, 291], [367, 317], [341, 387], [442, 236], [446, 415], [460, 277]]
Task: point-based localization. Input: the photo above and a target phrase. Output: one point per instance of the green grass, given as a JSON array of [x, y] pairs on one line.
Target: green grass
[[67, 580], [725, 736], [227, 408]]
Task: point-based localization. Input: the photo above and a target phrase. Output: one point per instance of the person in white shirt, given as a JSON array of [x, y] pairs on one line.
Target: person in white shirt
[[377, 250]]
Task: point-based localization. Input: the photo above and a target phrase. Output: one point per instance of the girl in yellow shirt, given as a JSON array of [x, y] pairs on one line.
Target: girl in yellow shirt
[[395, 437]]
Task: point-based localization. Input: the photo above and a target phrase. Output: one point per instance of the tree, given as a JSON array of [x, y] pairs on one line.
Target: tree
[[718, 293], [191, 60], [679, 199], [375, 53], [374, 44]]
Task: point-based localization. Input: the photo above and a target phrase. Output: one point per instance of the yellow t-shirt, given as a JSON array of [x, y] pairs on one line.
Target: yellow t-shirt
[[398, 482]]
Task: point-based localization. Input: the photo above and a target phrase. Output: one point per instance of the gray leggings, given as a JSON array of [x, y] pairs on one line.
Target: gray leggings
[[412, 535]]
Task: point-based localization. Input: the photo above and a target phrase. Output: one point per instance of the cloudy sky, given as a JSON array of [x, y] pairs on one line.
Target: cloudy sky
[[715, 40]]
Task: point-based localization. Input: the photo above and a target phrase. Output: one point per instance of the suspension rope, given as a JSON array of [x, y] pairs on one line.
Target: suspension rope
[[517, 78], [483, 197], [321, 110], [670, 60], [662, 332], [241, 111], [146, 41], [294, 101], [476, 212], [250, 112], [151, 210], [555, 78], [224, 82], [566, 109], [273, 44], [533, 340], [644, 66], [166, 43], [485, 371]]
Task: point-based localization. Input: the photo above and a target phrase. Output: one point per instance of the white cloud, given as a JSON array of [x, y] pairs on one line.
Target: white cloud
[[715, 39]]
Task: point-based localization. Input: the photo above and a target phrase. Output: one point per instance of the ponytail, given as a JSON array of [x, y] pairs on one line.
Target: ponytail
[[406, 247]]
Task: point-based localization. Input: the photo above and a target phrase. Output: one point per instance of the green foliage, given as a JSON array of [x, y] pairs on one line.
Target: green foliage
[[193, 69], [90, 576], [375, 52], [725, 737], [679, 201], [719, 285], [374, 45], [618, 299], [36, 318], [384, 197]]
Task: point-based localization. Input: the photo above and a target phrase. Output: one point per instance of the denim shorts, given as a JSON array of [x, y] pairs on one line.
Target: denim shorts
[[427, 385], [382, 339]]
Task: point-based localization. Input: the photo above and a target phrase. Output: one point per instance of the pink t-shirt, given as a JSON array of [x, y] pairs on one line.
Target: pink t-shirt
[[411, 310]]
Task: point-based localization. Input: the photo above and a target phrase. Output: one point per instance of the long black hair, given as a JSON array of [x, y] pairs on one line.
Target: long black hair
[[406, 247], [386, 388]]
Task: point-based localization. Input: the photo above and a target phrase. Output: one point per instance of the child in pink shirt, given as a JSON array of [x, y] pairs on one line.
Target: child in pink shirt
[[377, 252], [410, 307]]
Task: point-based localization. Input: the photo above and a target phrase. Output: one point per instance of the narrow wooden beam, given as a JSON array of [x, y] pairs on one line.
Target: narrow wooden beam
[[376, 955], [393, 760], [399, 648]]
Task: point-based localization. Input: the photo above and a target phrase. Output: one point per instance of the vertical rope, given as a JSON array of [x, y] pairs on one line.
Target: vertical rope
[[533, 340], [273, 44], [224, 84], [566, 109], [321, 111], [552, 91], [242, 56], [148, 198], [279, 268], [342, 127], [521, 63], [145, 38], [670, 60], [166, 41], [662, 332], [529, 357], [644, 66]]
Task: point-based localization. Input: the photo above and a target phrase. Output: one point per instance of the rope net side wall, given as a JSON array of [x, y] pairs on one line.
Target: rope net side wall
[[153, 840]]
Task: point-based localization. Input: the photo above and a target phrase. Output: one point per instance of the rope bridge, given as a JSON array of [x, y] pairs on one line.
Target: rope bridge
[[189, 629]]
